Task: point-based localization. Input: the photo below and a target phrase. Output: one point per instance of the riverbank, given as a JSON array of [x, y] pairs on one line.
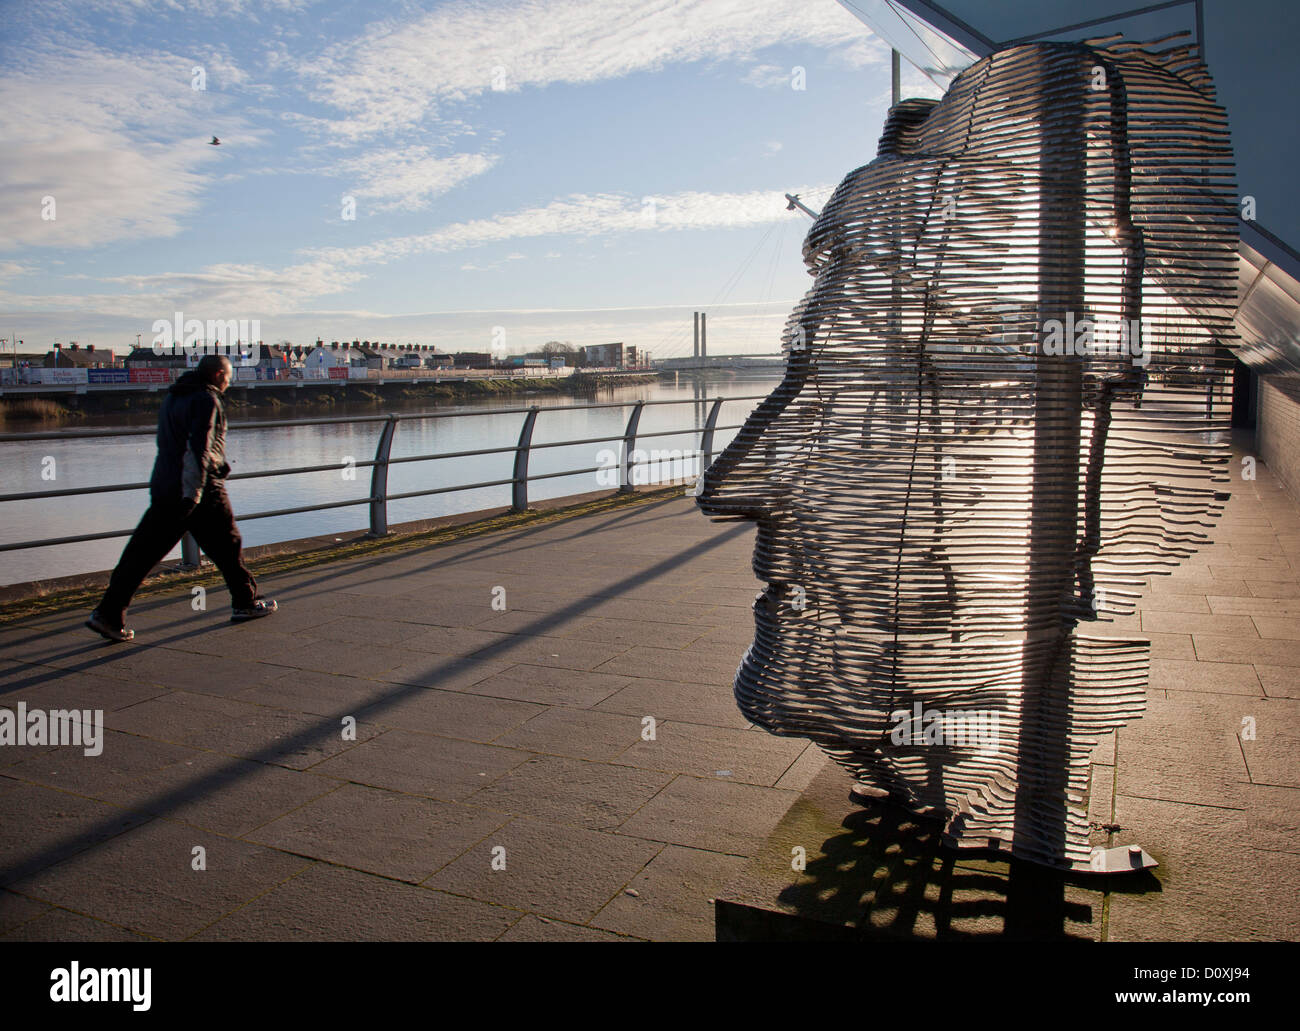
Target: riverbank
[[56, 408]]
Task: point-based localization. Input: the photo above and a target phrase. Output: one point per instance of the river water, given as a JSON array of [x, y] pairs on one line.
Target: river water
[[27, 466]]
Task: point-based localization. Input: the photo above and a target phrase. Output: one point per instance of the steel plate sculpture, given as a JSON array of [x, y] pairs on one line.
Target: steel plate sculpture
[[1002, 411]]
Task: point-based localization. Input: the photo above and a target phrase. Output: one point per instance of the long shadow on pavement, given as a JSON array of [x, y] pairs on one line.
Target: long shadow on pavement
[[164, 802]]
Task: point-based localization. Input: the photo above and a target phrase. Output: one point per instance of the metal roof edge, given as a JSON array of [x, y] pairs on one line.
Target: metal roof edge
[[1271, 248], [950, 25]]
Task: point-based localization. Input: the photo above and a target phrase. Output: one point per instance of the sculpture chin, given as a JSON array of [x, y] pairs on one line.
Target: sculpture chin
[[870, 795]]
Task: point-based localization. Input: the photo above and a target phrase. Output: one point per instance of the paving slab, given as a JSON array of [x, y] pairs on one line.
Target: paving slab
[[238, 728], [423, 764], [1279, 681], [43, 827], [672, 898], [669, 700], [18, 909], [157, 778], [450, 713], [332, 903], [1210, 885], [62, 925], [715, 751], [549, 686], [403, 837], [577, 734], [556, 871], [534, 928], [714, 814], [598, 796], [146, 880]]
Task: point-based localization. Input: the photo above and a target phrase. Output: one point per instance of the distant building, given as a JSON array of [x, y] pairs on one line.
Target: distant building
[[472, 360], [439, 361], [603, 356], [277, 359], [147, 358], [76, 357], [372, 357], [333, 357]]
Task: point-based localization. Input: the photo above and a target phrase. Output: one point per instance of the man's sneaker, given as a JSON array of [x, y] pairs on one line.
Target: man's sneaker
[[261, 607], [104, 628]]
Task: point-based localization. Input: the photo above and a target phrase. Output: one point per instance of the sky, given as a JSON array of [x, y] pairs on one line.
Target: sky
[[424, 172]]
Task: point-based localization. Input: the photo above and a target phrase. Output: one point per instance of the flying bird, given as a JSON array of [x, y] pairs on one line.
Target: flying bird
[[214, 142]]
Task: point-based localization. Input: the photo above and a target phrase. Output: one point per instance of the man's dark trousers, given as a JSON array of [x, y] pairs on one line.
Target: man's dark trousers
[[212, 523]]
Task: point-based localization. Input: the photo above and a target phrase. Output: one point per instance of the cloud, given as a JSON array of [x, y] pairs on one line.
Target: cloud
[[399, 74], [118, 142], [408, 178], [473, 266], [245, 289], [131, 10], [580, 215], [216, 291], [768, 76]]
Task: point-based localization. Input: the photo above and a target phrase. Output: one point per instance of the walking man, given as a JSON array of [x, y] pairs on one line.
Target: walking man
[[186, 493]]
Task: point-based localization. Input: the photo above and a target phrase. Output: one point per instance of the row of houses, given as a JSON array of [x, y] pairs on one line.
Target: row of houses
[[359, 354], [281, 357]]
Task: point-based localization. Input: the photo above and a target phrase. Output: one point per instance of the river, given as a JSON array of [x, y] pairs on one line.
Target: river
[[56, 464]]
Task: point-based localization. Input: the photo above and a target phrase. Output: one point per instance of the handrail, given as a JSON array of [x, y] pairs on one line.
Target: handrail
[[338, 419], [629, 458]]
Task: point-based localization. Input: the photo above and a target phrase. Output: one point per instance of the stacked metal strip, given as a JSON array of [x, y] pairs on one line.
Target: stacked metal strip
[[975, 460]]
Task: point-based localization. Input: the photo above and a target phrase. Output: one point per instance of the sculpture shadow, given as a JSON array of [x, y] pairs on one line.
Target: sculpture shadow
[[888, 876]]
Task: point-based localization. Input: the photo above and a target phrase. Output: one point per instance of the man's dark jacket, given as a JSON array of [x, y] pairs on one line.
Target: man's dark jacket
[[191, 442]]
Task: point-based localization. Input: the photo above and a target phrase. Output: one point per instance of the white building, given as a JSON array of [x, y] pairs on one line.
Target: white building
[[333, 357]]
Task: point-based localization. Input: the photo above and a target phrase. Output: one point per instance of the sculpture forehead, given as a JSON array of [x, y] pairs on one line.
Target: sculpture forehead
[[1000, 106]]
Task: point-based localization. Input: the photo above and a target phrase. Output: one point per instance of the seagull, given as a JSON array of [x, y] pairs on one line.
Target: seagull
[[214, 142]]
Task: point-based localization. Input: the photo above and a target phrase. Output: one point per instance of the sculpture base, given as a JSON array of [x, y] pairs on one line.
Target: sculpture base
[[1102, 860], [841, 870]]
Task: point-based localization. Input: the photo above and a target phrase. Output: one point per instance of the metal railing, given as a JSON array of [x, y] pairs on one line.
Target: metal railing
[[379, 496]]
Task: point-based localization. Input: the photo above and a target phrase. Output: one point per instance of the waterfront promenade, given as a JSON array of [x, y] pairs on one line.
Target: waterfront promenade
[[570, 765]]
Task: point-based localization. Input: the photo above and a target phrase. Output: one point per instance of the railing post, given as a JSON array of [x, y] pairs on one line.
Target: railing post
[[519, 499], [190, 558], [379, 480], [629, 445], [706, 438]]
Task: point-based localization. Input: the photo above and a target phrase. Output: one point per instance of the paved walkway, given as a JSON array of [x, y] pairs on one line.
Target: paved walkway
[[475, 730], [360, 764]]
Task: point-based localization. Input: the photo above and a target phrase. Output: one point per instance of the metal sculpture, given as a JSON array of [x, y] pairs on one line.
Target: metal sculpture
[[1001, 412]]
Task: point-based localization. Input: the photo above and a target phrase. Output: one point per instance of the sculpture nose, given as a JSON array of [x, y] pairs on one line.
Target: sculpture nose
[[744, 482]]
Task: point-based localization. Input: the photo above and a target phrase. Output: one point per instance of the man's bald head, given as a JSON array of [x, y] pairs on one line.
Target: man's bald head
[[216, 370]]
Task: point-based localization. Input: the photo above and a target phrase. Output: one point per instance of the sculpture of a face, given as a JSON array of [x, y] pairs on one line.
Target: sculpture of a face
[[975, 453]]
